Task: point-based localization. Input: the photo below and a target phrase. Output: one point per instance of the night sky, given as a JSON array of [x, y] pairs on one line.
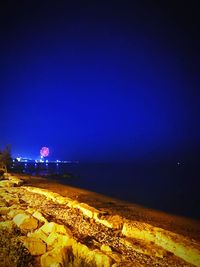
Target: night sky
[[100, 81]]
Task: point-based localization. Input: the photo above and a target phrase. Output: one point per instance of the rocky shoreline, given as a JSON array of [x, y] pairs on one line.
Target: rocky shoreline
[[46, 224]]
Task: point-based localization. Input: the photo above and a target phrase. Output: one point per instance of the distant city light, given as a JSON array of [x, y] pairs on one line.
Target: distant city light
[[45, 151]]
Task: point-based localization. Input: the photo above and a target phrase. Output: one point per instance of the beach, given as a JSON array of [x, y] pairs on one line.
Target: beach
[[60, 225]]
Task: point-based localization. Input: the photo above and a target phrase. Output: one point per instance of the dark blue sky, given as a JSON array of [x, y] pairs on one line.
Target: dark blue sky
[[100, 81]]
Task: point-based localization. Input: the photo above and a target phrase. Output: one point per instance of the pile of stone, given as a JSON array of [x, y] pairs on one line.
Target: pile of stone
[[56, 231], [9, 180], [49, 243]]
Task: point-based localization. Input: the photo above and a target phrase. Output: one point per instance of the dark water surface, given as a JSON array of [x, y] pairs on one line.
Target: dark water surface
[[172, 188]]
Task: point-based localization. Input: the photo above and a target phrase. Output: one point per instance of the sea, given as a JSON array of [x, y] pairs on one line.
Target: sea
[[172, 188]]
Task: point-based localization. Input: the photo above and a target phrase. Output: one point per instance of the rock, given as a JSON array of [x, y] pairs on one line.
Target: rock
[[54, 227], [58, 240], [72, 203], [10, 181], [8, 175], [3, 190], [7, 225], [38, 234], [34, 245], [6, 183], [89, 257], [36, 214], [106, 248], [56, 257], [10, 198], [17, 181], [87, 210], [4, 210], [179, 245], [25, 221], [39, 217], [2, 203], [113, 221], [12, 213]]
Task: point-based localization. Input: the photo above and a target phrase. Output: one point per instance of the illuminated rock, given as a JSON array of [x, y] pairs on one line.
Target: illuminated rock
[[38, 215], [10, 198], [115, 221], [12, 213], [175, 243], [52, 196], [4, 210], [59, 240], [56, 257], [87, 210], [38, 234], [7, 225], [25, 221], [2, 203], [11, 182], [7, 183], [54, 227], [89, 257], [15, 179], [34, 245], [48, 194], [106, 248], [72, 203]]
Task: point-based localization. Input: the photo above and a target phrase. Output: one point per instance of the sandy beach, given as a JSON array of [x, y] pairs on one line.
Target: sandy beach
[[58, 225]]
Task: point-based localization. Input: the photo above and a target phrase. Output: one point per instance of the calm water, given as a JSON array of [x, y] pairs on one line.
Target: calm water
[[172, 188]]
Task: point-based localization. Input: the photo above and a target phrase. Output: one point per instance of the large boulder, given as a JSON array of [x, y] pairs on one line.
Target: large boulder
[[34, 245], [38, 215], [17, 181], [58, 257], [57, 240], [56, 228], [25, 222], [87, 210], [85, 256], [53, 234], [38, 233], [6, 183], [13, 212]]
